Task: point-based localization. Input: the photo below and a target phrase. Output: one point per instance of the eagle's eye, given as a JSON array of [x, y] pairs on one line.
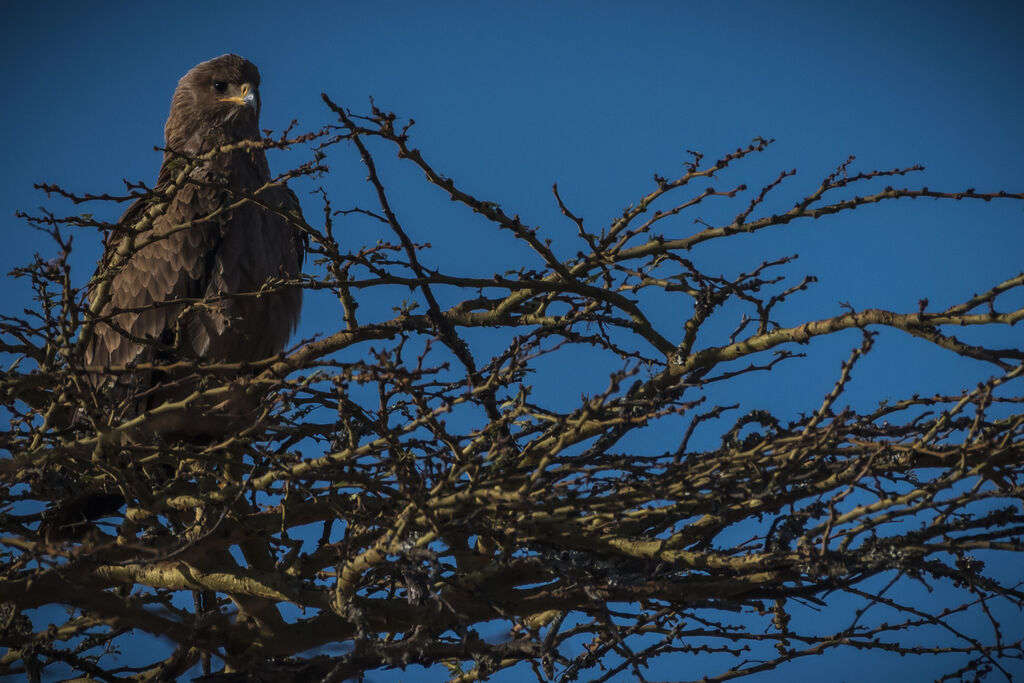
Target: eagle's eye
[[220, 86]]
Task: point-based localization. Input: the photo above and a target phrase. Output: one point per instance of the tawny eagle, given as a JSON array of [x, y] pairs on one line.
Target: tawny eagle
[[199, 270]]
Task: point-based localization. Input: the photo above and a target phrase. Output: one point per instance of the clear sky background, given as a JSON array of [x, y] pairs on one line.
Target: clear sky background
[[597, 96]]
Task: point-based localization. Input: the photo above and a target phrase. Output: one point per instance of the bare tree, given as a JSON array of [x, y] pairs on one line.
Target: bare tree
[[417, 498]]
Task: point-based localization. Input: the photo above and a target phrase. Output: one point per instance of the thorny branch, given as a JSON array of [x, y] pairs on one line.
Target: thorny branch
[[407, 490]]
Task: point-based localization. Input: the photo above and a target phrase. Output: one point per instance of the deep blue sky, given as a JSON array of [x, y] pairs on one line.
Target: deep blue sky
[[596, 96]]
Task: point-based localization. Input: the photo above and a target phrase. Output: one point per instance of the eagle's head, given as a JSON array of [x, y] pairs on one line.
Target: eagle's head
[[216, 102]]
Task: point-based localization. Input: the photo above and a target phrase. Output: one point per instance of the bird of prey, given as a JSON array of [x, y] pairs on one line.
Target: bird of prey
[[197, 271]]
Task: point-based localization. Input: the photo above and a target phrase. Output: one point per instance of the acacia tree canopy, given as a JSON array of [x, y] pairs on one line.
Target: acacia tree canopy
[[421, 487]]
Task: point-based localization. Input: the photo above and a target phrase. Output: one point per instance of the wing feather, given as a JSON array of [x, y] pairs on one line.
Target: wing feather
[[235, 253]]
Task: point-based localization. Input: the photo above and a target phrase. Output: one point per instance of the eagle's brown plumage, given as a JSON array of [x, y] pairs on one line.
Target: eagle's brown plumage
[[211, 255]]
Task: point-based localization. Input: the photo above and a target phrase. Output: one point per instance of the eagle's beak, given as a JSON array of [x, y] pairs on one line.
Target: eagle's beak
[[246, 96]]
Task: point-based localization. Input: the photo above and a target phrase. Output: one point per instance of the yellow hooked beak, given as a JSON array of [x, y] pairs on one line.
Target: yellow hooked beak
[[246, 95]]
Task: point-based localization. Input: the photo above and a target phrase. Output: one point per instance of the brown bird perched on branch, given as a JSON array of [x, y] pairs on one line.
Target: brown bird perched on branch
[[196, 271]]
